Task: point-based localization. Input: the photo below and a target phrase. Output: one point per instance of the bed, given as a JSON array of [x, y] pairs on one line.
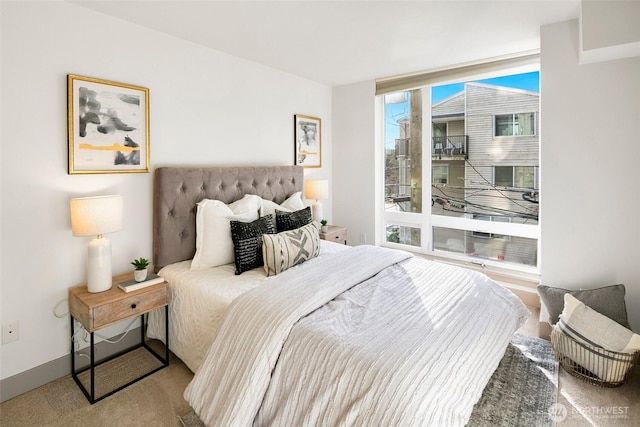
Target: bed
[[353, 336]]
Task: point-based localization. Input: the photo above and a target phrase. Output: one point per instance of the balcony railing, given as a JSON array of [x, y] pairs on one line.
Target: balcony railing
[[452, 147]]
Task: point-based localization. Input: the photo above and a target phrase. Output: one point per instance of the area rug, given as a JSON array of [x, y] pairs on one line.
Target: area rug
[[524, 388], [521, 392], [191, 420]]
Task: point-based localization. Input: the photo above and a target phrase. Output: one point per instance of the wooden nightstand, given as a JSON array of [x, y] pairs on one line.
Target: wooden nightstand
[[335, 233], [95, 311]]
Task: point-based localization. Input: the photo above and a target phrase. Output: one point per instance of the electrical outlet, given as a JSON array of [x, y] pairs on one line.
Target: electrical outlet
[[10, 332], [363, 237]]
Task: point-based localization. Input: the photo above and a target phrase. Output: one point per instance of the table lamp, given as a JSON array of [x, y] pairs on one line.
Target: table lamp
[[316, 189], [95, 216]]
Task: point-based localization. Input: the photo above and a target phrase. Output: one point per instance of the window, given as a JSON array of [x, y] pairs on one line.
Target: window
[[521, 124], [439, 135], [481, 204], [515, 176], [404, 235], [440, 130], [440, 174], [403, 152]]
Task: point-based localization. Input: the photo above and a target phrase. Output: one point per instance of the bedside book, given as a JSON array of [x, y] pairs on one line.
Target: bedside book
[[132, 285]]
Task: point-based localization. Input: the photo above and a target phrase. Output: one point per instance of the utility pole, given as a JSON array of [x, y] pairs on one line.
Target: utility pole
[[415, 124]]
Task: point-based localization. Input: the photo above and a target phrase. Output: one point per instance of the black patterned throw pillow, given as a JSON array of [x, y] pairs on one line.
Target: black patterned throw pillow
[[247, 241], [292, 220]]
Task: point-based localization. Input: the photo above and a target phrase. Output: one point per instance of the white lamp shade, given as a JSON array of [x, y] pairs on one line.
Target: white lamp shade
[[316, 189], [94, 216]]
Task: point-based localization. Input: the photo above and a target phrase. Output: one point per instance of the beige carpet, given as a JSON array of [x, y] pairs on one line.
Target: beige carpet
[[120, 371], [157, 401], [154, 401], [581, 404]]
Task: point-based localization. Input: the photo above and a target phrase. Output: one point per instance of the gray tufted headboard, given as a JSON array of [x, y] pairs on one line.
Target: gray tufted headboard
[[177, 190]]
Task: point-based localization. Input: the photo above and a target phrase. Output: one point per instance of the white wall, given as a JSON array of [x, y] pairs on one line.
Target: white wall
[[609, 30], [206, 107], [590, 153], [354, 160]]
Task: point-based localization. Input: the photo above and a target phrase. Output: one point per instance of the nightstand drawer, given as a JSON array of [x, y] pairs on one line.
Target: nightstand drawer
[[338, 236], [335, 234], [127, 307]]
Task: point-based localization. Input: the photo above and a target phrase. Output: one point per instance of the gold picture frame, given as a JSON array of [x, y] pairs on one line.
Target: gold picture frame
[[108, 126], [308, 141]]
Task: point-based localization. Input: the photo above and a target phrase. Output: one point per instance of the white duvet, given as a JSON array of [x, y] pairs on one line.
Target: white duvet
[[367, 337], [198, 301]]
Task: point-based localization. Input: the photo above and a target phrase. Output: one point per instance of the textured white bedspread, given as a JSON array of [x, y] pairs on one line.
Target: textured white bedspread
[[369, 337], [198, 301]]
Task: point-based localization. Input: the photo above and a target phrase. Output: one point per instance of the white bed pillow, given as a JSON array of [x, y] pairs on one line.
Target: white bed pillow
[[586, 325], [249, 203], [214, 246], [292, 247], [293, 203]]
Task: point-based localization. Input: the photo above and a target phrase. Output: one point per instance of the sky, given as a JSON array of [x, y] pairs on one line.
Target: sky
[[394, 112], [527, 81]]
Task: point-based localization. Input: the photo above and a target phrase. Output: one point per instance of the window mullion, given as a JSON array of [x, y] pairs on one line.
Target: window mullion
[[479, 226], [427, 178]]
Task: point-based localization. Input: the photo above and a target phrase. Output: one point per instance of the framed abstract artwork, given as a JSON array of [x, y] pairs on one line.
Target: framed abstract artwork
[[308, 141], [108, 126]]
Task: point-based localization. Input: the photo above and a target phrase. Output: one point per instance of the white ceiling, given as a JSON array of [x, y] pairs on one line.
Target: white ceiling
[[342, 42]]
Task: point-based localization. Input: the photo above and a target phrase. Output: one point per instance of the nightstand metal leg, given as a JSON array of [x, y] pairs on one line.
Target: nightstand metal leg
[[93, 372], [166, 333], [74, 374], [73, 347]]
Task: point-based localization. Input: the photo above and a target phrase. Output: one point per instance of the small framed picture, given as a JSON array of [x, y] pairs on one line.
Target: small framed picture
[[308, 141], [108, 126]]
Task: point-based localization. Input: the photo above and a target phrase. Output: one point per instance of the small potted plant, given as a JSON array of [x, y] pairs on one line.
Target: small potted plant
[[323, 226], [140, 273]]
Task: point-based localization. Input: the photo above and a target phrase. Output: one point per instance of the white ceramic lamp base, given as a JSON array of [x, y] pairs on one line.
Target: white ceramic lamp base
[[99, 277], [316, 211]]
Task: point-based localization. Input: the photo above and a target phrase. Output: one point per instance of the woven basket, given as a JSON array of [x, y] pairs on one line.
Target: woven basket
[[594, 365]]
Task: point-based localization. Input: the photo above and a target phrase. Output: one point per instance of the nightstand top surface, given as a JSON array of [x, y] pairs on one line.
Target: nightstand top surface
[[113, 294]]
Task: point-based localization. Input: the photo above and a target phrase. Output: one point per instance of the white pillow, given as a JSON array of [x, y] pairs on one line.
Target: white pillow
[[292, 204], [214, 246], [249, 203], [586, 325]]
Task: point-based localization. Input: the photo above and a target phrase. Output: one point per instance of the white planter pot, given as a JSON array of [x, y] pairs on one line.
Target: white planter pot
[[324, 228], [140, 275]]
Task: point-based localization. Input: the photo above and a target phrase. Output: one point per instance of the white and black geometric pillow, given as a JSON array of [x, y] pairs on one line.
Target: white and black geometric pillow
[[292, 220], [288, 248], [247, 241]]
